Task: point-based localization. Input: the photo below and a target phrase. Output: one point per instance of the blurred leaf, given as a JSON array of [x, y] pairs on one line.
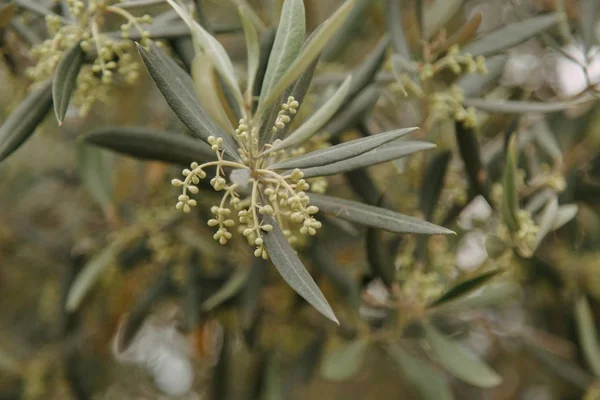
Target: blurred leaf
[[309, 53], [95, 167], [379, 257], [420, 17], [347, 31], [288, 42], [396, 29], [466, 32], [547, 220], [588, 336], [230, 288], [24, 119], [265, 45], [253, 48], [293, 271], [495, 246], [250, 296], [546, 140], [433, 183], [511, 35], [273, 385], [151, 144], [393, 151], [375, 216], [65, 78], [344, 362], [470, 152], [564, 215], [7, 12], [563, 368], [341, 151], [460, 362], [172, 30], [88, 277], [521, 107], [179, 93], [492, 294], [340, 277], [438, 15], [207, 89], [351, 114], [33, 6], [510, 197], [476, 84], [316, 121], [135, 4], [588, 11], [465, 287], [427, 381]]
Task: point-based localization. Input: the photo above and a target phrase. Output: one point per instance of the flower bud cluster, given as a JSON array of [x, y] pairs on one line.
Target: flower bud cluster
[[283, 117], [455, 61], [449, 105]]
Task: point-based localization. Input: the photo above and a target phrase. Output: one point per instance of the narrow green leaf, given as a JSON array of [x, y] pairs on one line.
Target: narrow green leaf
[[288, 42], [34, 6], [465, 287], [350, 29], [512, 34], [510, 197], [522, 107], [293, 271], [229, 289], [375, 216], [253, 48], [316, 121], [588, 11], [22, 122], [564, 215], [439, 14], [308, 54], [250, 295], [588, 335], [88, 277], [343, 363], [65, 78], [433, 183], [459, 361], [420, 14], [547, 141], [171, 30], [135, 4], [476, 84], [151, 144], [7, 12], [470, 152], [265, 44], [350, 115], [396, 29], [492, 294], [379, 257], [179, 93], [547, 220], [563, 368], [379, 155], [427, 381], [341, 151], [95, 167]]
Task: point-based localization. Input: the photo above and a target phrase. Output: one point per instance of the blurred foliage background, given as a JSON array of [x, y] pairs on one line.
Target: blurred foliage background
[[506, 309]]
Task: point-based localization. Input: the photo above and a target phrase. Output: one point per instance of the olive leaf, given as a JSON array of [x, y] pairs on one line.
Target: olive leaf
[[459, 361], [465, 33], [470, 152], [394, 24], [465, 287], [95, 167], [34, 6], [522, 107], [588, 12], [546, 222], [352, 113], [438, 15], [344, 362], [24, 119], [179, 93], [588, 335], [433, 183], [512, 34], [288, 42], [546, 140], [377, 156], [341, 151], [564, 215], [348, 29], [476, 84], [230, 288], [172, 30], [253, 47], [425, 379], [379, 256], [151, 144], [510, 196], [292, 270], [491, 294], [375, 216], [65, 78]]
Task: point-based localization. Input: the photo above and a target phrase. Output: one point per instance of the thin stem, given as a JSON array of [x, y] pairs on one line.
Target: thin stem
[[254, 205], [96, 36], [125, 14]]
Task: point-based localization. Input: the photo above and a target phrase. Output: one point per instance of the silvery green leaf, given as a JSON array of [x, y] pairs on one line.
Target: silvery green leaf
[[512, 34], [34, 6], [510, 196], [308, 54], [470, 152], [564, 215], [253, 48], [365, 73], [88, 277], [459, 361], [151, 144], [393, 151], [316, 121], [344, 362], [21, 123], [564, 368], [491, 294], [133, 4], [65, 78], [341, 151], [95, 167], [380, 257], [588, 10], [374, 216], [347, 31], [465, 33], [351, 114], [476, 84], [588, 335], [547, 220], [211, 46], [229, 289], [208, 89], [396, 29], [438, 15], [292, 270], [546, 140], [522, 107], [169, 30], [427, 381], [178, 89], [433, 183], [288, 42], [465, 287]]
